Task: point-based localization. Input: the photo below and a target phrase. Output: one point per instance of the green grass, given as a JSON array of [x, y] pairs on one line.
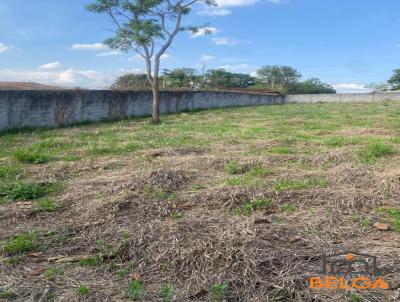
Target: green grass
[[254, 205], [21, 243], [83, 290], [7, 295], [135, 290], [300, 184], [233, 167], [218, 291], [9, 171], [282, 150], [23, 190], [288, 208], [52, 273], [166, 293], [393, 215], [375, 150], [124, 271], [90, 261], [33, 156], [45, 205], [340, 141]]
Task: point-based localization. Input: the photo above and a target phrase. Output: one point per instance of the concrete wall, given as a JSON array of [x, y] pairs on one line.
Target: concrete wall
[[344, 97], [58, 108], [65, 107]]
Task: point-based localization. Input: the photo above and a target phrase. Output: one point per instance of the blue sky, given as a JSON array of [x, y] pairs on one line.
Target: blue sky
[[347, 43]]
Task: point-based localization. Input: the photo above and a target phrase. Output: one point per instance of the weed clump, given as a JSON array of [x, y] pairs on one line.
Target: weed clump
[[21, 243], [374, 151]]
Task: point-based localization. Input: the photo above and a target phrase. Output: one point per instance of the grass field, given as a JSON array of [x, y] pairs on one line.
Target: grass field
[[223, 205]]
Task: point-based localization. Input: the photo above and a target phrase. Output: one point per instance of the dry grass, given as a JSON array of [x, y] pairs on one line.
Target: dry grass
[[140, 209]]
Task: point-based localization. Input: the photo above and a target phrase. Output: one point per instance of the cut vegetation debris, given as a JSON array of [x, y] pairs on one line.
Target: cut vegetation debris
[[234, 204]]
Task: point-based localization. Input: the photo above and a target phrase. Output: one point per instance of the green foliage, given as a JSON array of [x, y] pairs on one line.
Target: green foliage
[[90, 261], [394, 215], [52, 273], [83, 290], [135, 290], [45, 205], [288, 208], [166, 292], [219, 291], [374, 151], [395, 79], [182, 78], [278, 77], [281, 150], [7, 295], [254, 205], [8, 171], [176, 215], [33, 156], [21, 243], [123, 272], [310, 86], [131, 82], [233, 167], [26, 191], [220, 79], [300, 184], [258, 172], [354, 297]]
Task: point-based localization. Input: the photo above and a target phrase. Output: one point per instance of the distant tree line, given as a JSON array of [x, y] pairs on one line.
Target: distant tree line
[[283, 79], [392, 84]]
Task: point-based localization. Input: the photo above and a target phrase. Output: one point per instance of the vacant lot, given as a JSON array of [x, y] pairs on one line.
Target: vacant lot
[[223, 205]]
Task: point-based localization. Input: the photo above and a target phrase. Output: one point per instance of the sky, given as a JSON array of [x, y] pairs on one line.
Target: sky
[[346, 43]]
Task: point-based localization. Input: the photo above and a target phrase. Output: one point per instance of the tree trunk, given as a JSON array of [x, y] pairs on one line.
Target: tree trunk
[[156, 102]]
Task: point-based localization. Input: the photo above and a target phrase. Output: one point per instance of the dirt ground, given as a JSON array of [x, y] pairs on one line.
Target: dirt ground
[[230, 205]]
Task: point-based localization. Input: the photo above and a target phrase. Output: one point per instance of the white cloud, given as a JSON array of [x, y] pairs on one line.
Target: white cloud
[[222, 5], [232, 3], [77, 77], [240, 68], [52, 65], [204, 31], [206, 58], [94, 46], [214, 11], [5, 47], [68, 78], [225, 41], [350, 87], [109, 53]]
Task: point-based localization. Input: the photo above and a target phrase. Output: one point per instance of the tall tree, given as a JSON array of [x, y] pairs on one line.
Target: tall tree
[[310, 86], [395, 79], [278, 77], [131, 81], [147, 27], [182, 78]]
